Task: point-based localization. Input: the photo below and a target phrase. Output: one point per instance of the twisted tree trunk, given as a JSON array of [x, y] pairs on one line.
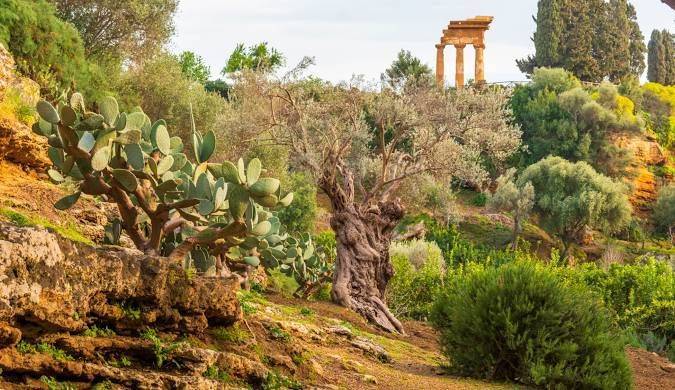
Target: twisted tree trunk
[[362, 266]]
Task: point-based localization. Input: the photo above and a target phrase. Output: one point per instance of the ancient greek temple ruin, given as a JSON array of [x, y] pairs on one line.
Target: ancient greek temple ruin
[[459, 34]]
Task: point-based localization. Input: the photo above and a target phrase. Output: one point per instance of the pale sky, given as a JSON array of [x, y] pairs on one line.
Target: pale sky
[[349, 37]]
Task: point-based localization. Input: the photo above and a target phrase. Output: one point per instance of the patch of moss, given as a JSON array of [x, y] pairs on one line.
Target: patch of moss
[[69, 230], [217, 374], [53, 384], [232, 334]]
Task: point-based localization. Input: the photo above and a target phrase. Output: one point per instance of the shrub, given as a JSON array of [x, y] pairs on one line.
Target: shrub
[[46, 49], [522, 322], [640, 296], [418, 278], [664, 210], [299, 216], [570, 197]]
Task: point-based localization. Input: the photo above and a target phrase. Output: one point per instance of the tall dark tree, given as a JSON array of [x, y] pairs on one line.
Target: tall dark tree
[[549, 34], [638, 49], [616, 42], [669, 54], [593, 39], [581, 38], [656, 62]]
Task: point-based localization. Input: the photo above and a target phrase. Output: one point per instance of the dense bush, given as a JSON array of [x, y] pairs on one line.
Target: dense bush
[[45, 48], [570, 197], [664, 210], [523, 322], [299, 216], [559, 117], [641, 296], [418, 278], [160, 85]]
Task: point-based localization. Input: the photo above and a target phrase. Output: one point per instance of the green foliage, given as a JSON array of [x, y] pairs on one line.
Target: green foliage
[[68, 229], [516, 200], [522, 322], [258, 57], [275, 380], [161, 88], [47, 349], [215, 373], [162, 350], [479, 200], [53, 384], [592, 39], [279, 334], [306, 311], [299, 216], [122, 362], [661, 58], [233, 334], [137, 165], [664, 209], [406, 69], [193, 67], [120, 29], [418, 278], [570, 197], [641, 296], [45, 48], [95, 331]]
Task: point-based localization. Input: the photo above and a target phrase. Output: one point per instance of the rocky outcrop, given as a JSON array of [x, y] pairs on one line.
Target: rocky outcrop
[[17, 142], [58, 285], [647, 154]]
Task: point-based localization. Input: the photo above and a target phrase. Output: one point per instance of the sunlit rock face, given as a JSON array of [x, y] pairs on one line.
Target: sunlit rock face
[[58, 285]]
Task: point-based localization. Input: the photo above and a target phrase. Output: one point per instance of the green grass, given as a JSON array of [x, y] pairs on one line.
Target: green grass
[[217, 374], [69, 230]]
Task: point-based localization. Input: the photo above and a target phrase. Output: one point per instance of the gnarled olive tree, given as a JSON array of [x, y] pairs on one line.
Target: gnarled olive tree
[[361, 145]]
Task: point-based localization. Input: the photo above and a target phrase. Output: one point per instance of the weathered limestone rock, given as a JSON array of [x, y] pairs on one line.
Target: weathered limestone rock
[[17, 142], [645, 152], [60, 285]]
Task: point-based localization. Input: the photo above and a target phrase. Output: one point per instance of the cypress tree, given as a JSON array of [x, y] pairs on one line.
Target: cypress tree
[[590, 38], [548, 36], [668, 58], [614, 42], [637, 44], [579, 17], [656, 61]]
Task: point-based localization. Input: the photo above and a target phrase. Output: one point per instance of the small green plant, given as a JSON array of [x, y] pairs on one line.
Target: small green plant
[[306, 311], [479, 200], [300, 358], [105, 385], [279, 334], [53, 384], [275, 380], [47, 349], [95, 331], [123, 362], [232, 334], [130, 311], [217, 374], [162, 350]]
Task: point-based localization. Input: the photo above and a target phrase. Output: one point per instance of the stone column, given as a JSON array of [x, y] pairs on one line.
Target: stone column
[[440, 64], [459, 66], [480, 63]]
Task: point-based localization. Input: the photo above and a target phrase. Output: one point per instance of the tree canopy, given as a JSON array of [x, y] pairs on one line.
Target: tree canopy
[[126, 29], [570, 197], [592, 39], [259, 57], [406, 68]]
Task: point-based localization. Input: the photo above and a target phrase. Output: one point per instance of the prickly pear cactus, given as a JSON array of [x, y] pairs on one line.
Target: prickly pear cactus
[[212, 216]]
